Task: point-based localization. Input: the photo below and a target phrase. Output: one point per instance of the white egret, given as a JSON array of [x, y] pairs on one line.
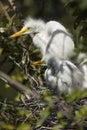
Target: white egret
[[51, 38], [65, 79], [67, 76], [56, 46]]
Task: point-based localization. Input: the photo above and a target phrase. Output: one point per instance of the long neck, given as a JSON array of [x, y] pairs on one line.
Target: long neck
[[40, 41]]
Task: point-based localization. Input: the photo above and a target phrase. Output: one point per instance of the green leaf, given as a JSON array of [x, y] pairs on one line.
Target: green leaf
[[25, 126], [76, 95], [81, 113], [43, 116], [60, 125]]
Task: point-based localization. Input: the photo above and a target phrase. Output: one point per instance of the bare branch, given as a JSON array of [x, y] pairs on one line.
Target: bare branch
[[18, 86], [12, 4]]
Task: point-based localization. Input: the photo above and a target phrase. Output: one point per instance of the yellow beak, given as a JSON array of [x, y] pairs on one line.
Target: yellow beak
[[19, 33]]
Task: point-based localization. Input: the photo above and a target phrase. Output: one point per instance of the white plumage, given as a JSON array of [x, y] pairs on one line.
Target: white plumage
[[56, 46], [66, 78], [51, 38]]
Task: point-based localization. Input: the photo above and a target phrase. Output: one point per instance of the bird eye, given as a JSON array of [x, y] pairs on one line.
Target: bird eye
[[28, 28]]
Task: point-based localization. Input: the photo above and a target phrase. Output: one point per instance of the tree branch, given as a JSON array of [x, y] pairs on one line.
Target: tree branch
[[18, 86], [12, 4]]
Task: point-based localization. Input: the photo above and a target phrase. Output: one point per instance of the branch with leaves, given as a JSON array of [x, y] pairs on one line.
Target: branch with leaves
[[18, 86]]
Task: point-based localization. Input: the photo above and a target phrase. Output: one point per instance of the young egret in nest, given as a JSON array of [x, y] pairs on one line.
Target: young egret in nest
[[65, 78], [56, 46], [51, 38]]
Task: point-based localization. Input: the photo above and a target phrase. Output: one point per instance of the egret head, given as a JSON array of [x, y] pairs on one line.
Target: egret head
[[31, 26]]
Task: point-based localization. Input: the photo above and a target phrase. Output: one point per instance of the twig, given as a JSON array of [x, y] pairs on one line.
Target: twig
[[12, 4], [18, 86], [7, 15]]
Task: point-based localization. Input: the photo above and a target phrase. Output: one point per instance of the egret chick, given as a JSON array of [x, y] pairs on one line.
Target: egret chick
[[65, 79], [56, 45], [51, 38]]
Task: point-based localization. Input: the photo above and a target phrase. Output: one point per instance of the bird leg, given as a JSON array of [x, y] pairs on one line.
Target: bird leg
[[37, 63]]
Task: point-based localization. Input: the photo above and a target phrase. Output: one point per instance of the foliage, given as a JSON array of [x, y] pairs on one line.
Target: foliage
[[49, 112], [78, 11]]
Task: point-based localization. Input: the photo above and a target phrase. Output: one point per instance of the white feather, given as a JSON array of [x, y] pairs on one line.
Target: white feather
[[66, 78]]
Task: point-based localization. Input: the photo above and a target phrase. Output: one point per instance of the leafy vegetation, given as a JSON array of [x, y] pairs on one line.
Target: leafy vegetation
[[25, 101]]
